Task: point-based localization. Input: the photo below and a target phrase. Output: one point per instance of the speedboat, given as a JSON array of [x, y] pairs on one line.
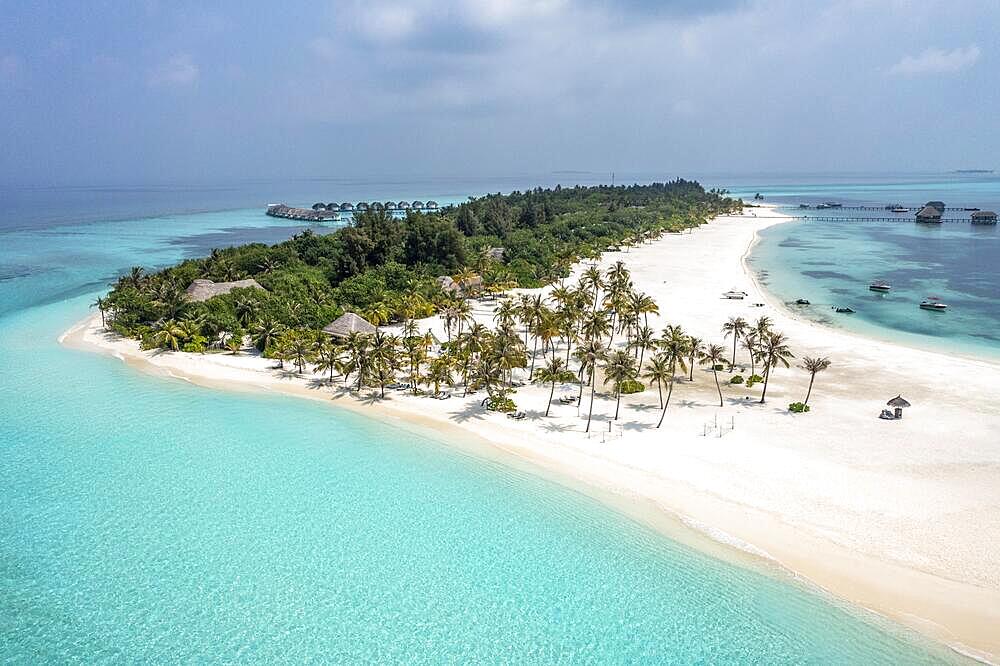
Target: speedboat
[[843, 310], [900, 209], [802, 301], [933, 304], [880, 286]]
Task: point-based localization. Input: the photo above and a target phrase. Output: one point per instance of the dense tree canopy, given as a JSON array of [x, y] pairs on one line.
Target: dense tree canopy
[[384, 267]]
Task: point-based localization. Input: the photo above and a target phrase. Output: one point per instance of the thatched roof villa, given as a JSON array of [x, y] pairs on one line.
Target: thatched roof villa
[[202, 290], [939, 205], [451, 286], [346, 206], [984, 217], [929, 214], [418, 204], [403, 205], [348, 323], [362, 205]]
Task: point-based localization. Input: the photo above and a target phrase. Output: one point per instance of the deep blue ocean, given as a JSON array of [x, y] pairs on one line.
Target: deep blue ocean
[[148, 520]]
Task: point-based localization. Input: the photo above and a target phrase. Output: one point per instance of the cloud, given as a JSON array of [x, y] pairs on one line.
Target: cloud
[[937, 61], [177, 72]]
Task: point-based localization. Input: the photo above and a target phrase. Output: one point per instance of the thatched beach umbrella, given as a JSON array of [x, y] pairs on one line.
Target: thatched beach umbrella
[[348, 323], [898, 403]]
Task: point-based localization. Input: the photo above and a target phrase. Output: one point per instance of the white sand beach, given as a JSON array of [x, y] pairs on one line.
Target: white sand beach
[[901, 517]]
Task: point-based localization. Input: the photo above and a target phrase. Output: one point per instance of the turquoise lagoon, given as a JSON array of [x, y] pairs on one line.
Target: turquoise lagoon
[[831, 263], [146, 519]]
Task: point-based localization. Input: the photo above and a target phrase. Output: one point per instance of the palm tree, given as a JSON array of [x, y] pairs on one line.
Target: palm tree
[[619, 368], [438, 373], [713, 355], [326, 356], [645, 338], [592, 281], [659, 372], [774, 351], [169, 335], [553, 372], [505, 314], [383, 357], [299, 350], [359, 357], [589, 353], [736, 327], [695, 347], [102, 305], [813, 366], [750, 344], [234, 343], [266, 333], [675, 346]]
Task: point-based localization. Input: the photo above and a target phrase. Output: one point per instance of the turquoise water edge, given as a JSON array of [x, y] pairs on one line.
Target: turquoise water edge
[[146, 519]]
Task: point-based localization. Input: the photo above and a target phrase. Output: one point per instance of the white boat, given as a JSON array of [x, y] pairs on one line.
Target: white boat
[[735, 295], [880, 286], [933, 304]]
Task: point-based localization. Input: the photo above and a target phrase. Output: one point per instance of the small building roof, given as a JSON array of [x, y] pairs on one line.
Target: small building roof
[[936, 204], [202, 290], [898, 401], [929, 211], [348, 323], [984, 214]]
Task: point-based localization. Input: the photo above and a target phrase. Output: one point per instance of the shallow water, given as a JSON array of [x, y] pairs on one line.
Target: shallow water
[[831, 263], [146, 519]]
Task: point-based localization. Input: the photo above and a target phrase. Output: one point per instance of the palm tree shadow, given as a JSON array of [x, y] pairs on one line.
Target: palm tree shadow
[[558, 427], [318, 383], [372, 398], [470, 412], [634, 426], [644, 408]]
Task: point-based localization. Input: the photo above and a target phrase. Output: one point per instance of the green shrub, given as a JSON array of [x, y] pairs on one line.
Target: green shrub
[[755, 379], [736, 379], [798, 407], [720, 367], [500, 404], [631, 386]]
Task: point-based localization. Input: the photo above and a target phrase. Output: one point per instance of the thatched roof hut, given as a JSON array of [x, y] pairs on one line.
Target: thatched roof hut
[[348, 323], [928, 214], [984, 217], [362, 205], [202, 290], [346, 206], [432, 204], [938, 205], [898, 401], [418, 204], [403, 205]]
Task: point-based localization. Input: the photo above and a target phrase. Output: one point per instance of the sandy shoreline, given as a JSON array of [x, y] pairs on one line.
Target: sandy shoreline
[[899, 517]]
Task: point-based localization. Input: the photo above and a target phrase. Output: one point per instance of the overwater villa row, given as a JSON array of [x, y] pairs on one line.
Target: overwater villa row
[[930, 213], [320, 212]]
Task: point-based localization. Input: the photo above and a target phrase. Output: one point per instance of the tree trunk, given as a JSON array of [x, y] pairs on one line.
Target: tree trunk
[[812, 378], [659, 390], [767, 376], [732, 363], [551, 393], [618, 402], [533, 353], [717, 387], [670, 386], [590, 413]]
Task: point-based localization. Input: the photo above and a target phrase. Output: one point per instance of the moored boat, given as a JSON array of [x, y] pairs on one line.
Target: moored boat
[[880, 286], [933, 304]]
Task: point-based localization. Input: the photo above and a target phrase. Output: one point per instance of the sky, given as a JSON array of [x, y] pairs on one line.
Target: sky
[[178, 91]]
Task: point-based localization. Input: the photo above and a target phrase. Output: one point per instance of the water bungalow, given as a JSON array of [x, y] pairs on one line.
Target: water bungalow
[[346, 206], [320, 214], [432, 205], [984, 217], [202, 290], [939, 205], [418, 204], [929, 215], [403, 205], [348, 323], [362, 206]]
